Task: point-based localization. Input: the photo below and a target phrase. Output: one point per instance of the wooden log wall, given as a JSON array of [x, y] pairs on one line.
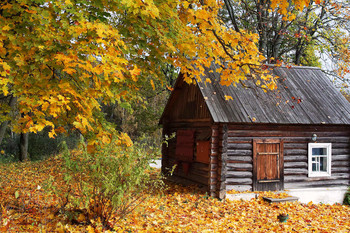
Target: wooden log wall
[[222, 162], [296, 138], [214, 161], [198, 172]]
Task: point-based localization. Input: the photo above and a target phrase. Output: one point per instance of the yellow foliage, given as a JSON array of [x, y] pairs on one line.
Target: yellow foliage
[[61, 70], [175, 209]]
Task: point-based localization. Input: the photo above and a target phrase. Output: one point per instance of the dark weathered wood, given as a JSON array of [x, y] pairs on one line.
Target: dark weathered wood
[[341, 157], [340, 163], [240, 146], [295, 171], [280, 200], [295, 165], [239, 174], [235, 159], [213, 164], [315, 184], [239, 152], [238, 166], [239, 187], [222, 165], [295, 158], [296, 152], [239, 181], [267, 164], [342, 151]]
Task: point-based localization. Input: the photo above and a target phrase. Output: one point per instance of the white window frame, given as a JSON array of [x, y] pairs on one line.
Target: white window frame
[[328, 147]]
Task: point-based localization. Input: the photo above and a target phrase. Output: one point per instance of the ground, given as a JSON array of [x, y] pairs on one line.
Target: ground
[[27, 207]]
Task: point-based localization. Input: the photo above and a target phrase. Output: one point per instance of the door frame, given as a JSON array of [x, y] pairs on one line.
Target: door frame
[[280, 166]]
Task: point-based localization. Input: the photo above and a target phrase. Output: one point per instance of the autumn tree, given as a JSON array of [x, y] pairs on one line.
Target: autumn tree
[[299, 37], [61, 60]]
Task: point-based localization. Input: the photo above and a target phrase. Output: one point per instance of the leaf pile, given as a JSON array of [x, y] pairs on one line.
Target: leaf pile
[[26, 207]]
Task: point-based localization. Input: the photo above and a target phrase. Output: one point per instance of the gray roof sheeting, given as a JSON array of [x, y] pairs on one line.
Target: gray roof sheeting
[[304, 96]]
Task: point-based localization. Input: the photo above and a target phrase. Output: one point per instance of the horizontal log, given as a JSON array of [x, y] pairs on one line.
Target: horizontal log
[[238, 181], [316, 184], [239, 158], [295, 152], [213, 181], [338, 139], [239, 140], [341, 151], [295, 158], [302, 146], [303, 178], [238, 174], [341, 170], [239, 165], [289, 139], [295, 165], [302, 128], [214, 153], [244, 146], [340, 164], [340, 145], [341, 157], [295, 171], [239, 188], [231, 152], [213, 167]]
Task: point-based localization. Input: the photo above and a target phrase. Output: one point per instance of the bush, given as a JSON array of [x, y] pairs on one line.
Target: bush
[[347, 198], [107, 183]]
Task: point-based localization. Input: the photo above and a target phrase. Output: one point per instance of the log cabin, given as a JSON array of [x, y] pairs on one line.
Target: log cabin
[[294, 138]]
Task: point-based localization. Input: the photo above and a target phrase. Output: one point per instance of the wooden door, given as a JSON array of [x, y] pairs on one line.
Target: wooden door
[[267, 165]]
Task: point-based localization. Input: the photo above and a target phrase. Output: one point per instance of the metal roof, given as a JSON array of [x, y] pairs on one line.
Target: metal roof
[[305, 95]]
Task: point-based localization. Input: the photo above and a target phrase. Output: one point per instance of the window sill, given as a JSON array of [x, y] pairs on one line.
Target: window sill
[[319, 175]]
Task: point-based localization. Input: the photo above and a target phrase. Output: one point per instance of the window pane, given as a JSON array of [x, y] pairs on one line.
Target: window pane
[[319, 151], [323, 164], [314, 167]]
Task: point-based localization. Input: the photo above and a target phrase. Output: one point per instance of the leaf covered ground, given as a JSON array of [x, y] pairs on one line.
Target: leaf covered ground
[[27, 207]]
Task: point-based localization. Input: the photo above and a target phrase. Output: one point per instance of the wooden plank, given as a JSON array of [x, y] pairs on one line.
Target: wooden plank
[[235, 159], [239, 174], [240, 146], [295, 165], [314, 184], [280, 200], [238, 181], [231, 152], [295, 171], [345, 157], [295, 158], [239, 166], [239, 188]]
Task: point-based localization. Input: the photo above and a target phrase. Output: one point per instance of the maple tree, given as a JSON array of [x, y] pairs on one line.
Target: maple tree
[[320, 30], [62, 59]]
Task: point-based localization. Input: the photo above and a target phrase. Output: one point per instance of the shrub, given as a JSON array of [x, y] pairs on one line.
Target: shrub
[[109, 182], [347, 197]]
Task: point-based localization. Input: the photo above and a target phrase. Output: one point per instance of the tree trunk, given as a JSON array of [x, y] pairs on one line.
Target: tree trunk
[[23, 147], [3, 128], [4, 124]]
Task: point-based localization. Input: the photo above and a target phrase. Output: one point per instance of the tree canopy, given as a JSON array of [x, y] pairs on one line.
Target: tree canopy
[[320, 30], [62, 59]]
